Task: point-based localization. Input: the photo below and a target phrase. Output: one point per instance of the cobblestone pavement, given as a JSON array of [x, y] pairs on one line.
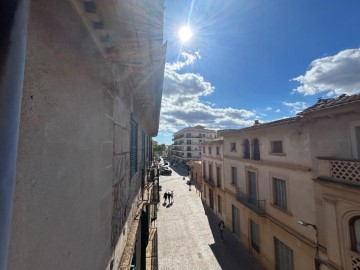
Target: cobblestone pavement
[[188, 236]]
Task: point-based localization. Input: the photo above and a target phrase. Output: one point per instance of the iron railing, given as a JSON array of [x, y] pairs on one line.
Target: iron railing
[[258, 206]]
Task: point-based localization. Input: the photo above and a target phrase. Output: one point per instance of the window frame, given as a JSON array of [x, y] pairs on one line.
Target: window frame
[[255, 242], [233, 179], [272, 147], [354, 242], [233, 147], [284, 194], [280, 256]]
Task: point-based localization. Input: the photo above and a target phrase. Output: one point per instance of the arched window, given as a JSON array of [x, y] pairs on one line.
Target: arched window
[[256, 150], [246, 148], [355, 233]]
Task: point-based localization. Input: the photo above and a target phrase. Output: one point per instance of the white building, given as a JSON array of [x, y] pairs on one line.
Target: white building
[[186, 143]]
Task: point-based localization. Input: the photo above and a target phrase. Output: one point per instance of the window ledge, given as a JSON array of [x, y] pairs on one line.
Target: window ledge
[[277, 154], [287, 212]]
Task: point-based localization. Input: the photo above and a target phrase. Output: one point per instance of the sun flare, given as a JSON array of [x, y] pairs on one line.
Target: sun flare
[[185, 34]]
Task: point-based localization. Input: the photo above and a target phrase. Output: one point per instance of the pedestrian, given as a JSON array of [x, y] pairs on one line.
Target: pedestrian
[[172, 196], [221, 228], [169, 197], [165, 197], [189, 185]]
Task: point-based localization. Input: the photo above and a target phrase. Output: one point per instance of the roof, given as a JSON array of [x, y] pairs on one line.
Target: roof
[[323, 104], [262, 125]]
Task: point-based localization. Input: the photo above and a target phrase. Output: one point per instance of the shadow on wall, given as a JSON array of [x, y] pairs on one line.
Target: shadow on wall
[[229, 253]]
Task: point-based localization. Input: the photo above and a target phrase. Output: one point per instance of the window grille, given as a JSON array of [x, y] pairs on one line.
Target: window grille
[[133, 147]]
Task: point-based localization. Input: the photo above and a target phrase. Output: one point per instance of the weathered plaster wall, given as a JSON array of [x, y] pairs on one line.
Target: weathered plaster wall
[[73, 200]]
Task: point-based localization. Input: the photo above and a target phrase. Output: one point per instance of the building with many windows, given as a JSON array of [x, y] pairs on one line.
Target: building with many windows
[[186, 145], [292, 187]]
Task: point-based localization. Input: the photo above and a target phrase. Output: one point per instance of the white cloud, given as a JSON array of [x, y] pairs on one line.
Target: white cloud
[[181, 104], [296, 107], [278, 110], [335, 75], [268, 109]]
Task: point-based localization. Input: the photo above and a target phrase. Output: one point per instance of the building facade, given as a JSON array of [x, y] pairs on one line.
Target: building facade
[[186, 145], [291, 172], [90, 107], [213, 176], [334, 128]]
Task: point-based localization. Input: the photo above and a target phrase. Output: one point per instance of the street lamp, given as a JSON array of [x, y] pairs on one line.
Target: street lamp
[[317, 258]]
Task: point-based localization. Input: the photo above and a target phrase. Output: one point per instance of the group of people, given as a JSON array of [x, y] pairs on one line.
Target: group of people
[[168, 197]]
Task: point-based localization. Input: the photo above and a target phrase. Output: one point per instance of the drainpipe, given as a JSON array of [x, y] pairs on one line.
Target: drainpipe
[[13, 29]]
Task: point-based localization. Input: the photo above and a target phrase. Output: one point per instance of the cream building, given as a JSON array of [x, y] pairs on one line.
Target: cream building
[[213, 176], [334, 128], [269, 171], [91, 97], [186, 143]]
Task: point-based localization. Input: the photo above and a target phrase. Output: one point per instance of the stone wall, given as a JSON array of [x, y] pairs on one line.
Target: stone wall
[[74, 200]]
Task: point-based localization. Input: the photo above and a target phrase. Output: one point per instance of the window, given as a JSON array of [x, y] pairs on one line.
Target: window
[[218, 177], [210, 150], [210, 173], [279, 191], [133, 147], [188, 155], [254, 234], [276, 147], [252, 190], [246, 152], [188, 141], [204, 191], [188, 135], [204, 169], [284, 259], [235, 220], [217, 150], [233, 175], [203, 150], [355, 234], [219, 204], [188, 148], [233, 147], [256, 150]]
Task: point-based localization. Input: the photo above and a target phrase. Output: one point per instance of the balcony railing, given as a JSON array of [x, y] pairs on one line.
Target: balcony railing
[[354, 260], [209, 181], [345, 170], [258, 206]]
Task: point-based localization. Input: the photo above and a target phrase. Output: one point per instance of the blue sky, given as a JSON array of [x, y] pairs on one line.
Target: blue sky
[[255, 59]]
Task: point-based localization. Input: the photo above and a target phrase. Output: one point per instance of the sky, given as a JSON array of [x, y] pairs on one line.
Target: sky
[[255, 60]]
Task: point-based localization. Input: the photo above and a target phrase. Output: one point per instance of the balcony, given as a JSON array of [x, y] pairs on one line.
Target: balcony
[[258, 206], [340, 170], [209, 181], [354, 260]]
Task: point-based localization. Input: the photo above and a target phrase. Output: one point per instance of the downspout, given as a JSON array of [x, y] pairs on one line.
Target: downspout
[[13, 29]]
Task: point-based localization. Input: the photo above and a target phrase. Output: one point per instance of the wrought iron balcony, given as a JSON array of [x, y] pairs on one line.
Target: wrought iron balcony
[[258, 206], [340, 170], [209, 181]]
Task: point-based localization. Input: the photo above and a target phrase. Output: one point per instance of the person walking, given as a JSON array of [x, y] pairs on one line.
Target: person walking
[[221, 228], [165, 197]]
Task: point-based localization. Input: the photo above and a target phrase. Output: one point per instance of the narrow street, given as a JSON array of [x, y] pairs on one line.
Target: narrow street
[[188, 236]]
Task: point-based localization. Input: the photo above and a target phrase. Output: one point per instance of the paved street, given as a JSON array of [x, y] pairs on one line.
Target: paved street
[[188, 236]]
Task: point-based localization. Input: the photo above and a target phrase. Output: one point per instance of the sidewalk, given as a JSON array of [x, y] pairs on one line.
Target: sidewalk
[[188, 235]]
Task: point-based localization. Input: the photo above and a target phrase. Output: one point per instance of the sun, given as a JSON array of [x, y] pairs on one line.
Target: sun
[[185, 33]]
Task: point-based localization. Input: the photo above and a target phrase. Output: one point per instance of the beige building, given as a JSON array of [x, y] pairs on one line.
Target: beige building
[[90, 106], [269, 171], [196, 173], [187, 141], [334, 128], [213, 176]]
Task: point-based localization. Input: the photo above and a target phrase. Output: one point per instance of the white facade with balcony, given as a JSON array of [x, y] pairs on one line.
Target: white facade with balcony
[[186, 145]]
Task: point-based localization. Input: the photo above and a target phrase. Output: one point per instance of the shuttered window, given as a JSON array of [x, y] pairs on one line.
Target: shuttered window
[[233, 176], [279, 187], [284, 258], [133, 147], [254, 231]]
